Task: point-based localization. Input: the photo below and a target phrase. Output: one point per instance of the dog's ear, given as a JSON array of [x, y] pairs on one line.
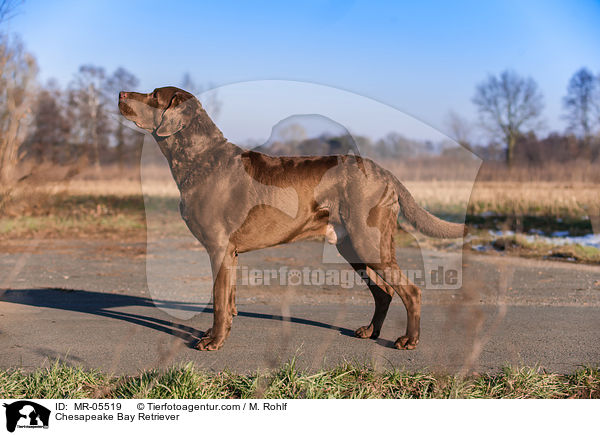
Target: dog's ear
[[179, 113]]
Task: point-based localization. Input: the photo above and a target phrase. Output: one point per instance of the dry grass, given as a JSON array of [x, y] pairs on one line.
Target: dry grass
[[56, 202], [525, 198], [554, 189], [535, 198], [460, 169]]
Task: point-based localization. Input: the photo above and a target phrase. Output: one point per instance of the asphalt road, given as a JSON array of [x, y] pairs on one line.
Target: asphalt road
[[90, 303]]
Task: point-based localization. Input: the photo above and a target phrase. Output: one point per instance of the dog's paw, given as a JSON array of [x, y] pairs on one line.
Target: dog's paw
[[405, 342], [366, 332], [210, 343]]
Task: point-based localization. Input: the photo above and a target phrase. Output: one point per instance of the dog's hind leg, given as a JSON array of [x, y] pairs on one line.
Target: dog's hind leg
[[381, 295], [409, 293], [222, 262], [411, 297], [378, 252]]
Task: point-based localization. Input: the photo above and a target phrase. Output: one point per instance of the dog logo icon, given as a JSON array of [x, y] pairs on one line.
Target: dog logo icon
[[26, 414]]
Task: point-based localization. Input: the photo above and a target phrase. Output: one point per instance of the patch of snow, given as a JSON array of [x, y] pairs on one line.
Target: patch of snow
[[558, 238], [500, 233]]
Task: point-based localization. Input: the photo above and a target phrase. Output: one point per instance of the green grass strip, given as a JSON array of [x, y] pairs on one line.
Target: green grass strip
[[348, 381]]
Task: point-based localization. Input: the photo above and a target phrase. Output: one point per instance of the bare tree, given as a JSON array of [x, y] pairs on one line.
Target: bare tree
[[597, 100], [460, 129], [580, 103], [8, 9], [88, 111], [508, 105], [18, 70], [121, 80], [50, 129], [395, 145]]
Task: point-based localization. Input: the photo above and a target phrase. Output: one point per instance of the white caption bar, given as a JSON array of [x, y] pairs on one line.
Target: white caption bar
[[247, 416]]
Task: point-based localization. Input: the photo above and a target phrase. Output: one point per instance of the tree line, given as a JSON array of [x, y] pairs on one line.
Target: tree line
[[80, 122], [510, 109]]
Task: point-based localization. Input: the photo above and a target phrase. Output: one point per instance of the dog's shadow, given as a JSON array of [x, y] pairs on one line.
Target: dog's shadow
[[108, 304]]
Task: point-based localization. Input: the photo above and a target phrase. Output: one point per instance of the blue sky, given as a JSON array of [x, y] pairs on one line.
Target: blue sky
[[423, 58]]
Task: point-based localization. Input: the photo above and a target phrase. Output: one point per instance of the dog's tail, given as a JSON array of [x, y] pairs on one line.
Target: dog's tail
[[424, 221]]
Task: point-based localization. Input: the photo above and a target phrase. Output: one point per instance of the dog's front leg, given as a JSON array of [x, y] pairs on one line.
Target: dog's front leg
[[233, 276], [222, 317]]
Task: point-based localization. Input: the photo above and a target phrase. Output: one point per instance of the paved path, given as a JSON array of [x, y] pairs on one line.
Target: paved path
[[88, 303]]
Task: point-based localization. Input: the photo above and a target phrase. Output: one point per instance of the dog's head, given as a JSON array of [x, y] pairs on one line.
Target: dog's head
[[163, 112]]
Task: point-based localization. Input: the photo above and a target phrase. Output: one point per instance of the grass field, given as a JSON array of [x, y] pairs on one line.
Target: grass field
[[91, 207], [575, 200], [344, 382], [87, 201], [556, 199]]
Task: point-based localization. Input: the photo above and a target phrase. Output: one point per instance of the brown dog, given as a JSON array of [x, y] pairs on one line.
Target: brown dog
[[234, 201]]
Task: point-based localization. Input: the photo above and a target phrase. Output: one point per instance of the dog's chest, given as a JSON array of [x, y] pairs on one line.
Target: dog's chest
[[182, 210]]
